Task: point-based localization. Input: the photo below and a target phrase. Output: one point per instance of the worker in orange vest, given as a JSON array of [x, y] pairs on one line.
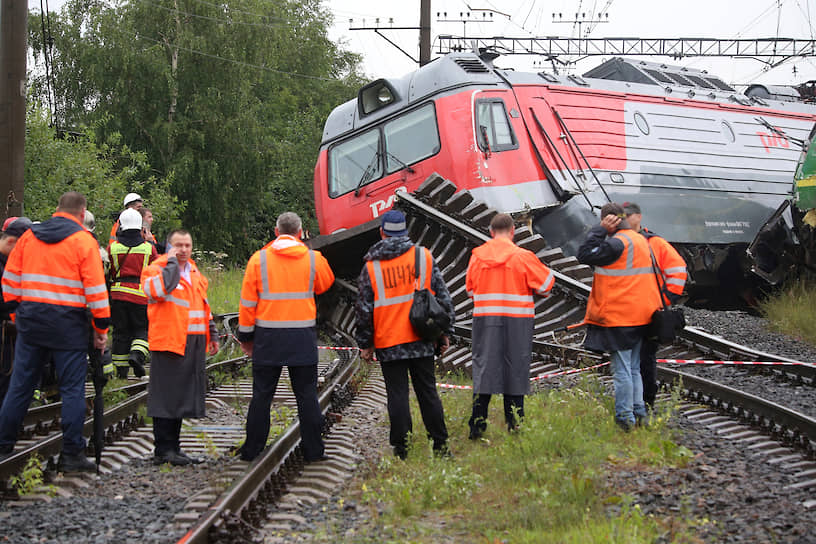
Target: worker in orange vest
[[54, 274], [276, 327], [623, 298], [385, 291], [502, 279], [672, 268], [180, 333]]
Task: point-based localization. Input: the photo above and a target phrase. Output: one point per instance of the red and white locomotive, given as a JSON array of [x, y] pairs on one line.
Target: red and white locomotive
[[708, 165]]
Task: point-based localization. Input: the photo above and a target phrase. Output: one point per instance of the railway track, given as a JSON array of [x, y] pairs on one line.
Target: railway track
[[267, 495], [451, 223]]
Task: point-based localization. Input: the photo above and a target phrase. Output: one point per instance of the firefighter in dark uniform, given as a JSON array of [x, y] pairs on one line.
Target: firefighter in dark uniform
[[14, 227], [276, 327], [385, 290], [130, 254], [623, 298]]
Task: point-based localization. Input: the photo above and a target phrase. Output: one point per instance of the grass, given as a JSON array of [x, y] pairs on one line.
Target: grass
[[224, 292], [792, 311], [544, 483]]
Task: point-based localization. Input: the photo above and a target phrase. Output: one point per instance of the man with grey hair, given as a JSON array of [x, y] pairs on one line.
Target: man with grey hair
[[276, 321]]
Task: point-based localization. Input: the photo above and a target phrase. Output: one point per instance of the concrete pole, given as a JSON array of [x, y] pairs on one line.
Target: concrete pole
[[13, 44]]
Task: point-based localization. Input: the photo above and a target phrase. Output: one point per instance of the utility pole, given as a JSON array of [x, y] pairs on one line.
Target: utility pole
[[13, 36], [424, 32]]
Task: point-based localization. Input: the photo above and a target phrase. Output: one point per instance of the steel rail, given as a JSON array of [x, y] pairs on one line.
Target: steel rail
[[243, 491]]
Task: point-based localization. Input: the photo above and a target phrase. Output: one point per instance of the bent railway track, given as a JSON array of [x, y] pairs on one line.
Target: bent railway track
[[451, 223]]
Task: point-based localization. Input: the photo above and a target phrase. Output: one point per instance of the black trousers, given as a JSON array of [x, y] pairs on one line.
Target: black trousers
[[129, 322], [648, 371], [395, 374], [513, 407], [166, 433], [304, 386]]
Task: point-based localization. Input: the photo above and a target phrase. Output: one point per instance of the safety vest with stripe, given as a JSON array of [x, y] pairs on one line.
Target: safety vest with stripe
[[670, 264], [280, 284], [503, 277], [393, 282], [65, 274], [174, 314], [127, 264], [624, 293]]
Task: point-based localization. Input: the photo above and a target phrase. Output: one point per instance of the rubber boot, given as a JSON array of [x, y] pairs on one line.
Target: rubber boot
[[122, 372]]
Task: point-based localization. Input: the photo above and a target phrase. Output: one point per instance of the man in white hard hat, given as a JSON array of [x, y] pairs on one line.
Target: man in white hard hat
[[131, 200], [130, 255]]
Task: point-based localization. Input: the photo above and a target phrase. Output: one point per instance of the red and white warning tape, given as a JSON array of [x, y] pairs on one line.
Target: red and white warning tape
[[707, 362]]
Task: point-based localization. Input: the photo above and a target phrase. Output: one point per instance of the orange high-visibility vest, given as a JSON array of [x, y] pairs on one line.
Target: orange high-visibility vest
[[67, 273], [393, 282], [280, 284], [624, 293], [506, 289], [671, 265], [174, 315]]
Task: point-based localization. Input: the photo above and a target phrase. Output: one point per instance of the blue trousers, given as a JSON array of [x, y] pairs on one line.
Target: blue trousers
[[72, 367], [629, 404]]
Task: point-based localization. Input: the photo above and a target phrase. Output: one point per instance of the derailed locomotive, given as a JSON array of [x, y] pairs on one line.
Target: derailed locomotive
[[708, 165]]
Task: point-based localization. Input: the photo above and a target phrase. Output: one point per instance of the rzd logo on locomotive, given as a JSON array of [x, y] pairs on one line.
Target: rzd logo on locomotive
[[772, 140], [379, 206]]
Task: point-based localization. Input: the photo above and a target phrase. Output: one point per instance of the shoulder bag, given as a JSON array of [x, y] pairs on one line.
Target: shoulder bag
[[666, 321], [427, 317]]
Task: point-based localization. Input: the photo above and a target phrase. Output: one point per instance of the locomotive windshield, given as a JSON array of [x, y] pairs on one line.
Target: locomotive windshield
[[389, 148]]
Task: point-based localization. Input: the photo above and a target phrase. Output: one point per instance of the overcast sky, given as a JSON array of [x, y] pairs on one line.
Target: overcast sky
[[527, 18], [630, 18]]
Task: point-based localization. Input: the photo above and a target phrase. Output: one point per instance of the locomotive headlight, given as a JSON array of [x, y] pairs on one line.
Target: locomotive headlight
[[374, 96]]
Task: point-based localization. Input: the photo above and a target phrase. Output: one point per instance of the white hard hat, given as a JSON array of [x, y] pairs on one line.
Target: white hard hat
[[130, 219], [131, 198], [88, 221]]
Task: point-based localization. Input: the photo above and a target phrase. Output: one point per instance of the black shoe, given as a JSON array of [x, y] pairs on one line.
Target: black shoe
[[173, 458], [475, 434], [75, 463], [138, 368], [193, 460], [442, 452], [625, 425], [122, 372]]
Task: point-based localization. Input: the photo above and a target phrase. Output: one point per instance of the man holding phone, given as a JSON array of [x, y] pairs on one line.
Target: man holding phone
[[624, 296]]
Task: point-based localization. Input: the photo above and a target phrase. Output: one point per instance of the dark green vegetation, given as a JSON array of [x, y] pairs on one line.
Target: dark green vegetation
[[218, 105]]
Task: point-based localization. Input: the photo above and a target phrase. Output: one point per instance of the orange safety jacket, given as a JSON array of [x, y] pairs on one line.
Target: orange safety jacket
[[503, 277], [280, 284], [393, 282], [624, 293], [175, 313], [670, 264], [53, 282]]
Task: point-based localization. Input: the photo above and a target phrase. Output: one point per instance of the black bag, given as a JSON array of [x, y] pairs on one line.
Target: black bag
[[427, 317], [666, 322]]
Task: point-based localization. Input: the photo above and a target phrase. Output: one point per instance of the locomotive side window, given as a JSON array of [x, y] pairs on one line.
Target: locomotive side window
[[411, 138], [493, 130], [354, 163]]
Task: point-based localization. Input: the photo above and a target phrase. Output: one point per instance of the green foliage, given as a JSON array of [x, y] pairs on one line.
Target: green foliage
[[103, 171], [30, 478], [227, 100], [545, 482], [792, 311], [224, 291]]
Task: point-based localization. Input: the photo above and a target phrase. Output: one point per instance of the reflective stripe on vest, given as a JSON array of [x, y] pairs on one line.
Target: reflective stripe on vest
[[630, 259], [393, 282], [491, 304], [267, 294]]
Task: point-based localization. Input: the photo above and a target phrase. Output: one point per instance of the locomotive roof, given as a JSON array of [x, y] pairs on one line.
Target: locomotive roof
[[459, 70]]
